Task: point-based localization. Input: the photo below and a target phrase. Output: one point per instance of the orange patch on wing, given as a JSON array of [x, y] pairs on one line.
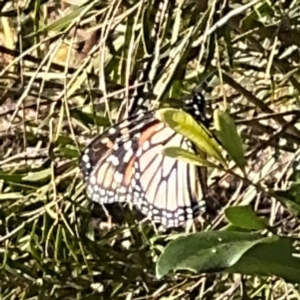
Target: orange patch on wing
[[105, 175], [128, 173], [147, 133], [109, 144]]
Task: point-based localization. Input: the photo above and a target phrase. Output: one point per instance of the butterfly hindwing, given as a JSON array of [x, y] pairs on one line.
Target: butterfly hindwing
[[165, 189]]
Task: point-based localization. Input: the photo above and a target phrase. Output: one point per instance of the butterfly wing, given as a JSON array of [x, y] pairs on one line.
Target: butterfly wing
[[107, 163], [166, 190]]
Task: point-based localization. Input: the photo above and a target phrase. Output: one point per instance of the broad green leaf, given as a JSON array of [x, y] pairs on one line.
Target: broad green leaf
[[244, 217], [227, 134], [231, 252], [185, 124], [187, 156], [230, 227], [274, 258], [207, 251]]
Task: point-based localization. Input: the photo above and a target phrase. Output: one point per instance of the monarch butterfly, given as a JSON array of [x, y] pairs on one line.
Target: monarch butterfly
[[124, 164]]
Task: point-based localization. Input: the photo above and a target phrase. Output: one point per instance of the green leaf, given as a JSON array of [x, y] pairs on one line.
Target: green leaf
[[231, 252], [274, 258], [189, 157], [227, 134], [206, 251], [244, 217], [185, 124]]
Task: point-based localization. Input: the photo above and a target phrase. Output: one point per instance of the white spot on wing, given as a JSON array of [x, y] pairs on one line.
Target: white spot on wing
[[112, 130], [128, 155], [118, 177], [93, 179], [146, 145], [105, 140], [115, 161], [85, 158], [127, 145], [122, 190]]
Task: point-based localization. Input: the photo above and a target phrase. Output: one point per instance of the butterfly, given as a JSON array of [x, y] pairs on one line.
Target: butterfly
[[125, 164]]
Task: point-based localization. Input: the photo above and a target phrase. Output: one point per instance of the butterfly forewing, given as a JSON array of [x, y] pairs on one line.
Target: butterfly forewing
[[107, 162]]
